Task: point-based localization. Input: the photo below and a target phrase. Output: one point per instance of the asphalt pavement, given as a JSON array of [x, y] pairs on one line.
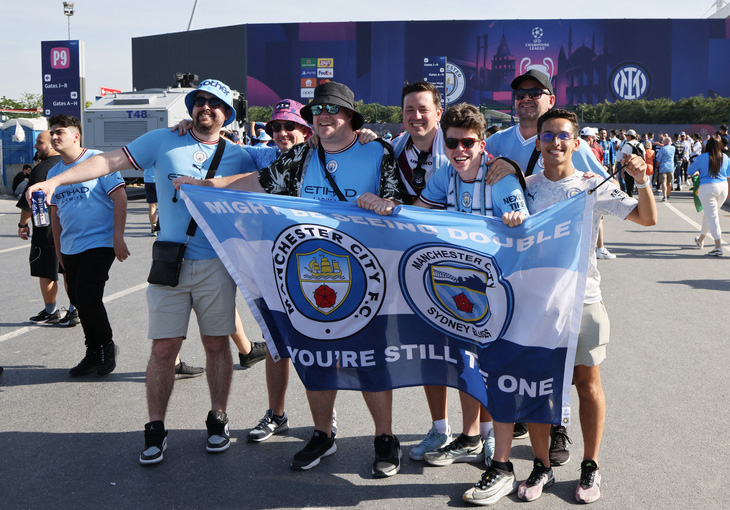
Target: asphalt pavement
[[74, 443]]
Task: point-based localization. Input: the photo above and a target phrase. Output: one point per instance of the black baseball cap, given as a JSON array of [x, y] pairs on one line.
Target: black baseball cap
[[533, 74]]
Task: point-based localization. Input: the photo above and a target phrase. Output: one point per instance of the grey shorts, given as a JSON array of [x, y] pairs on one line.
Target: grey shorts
[[595, 329], [206, 287]]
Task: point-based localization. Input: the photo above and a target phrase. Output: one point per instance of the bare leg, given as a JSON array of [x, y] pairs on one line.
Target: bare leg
[[243, 344], [161, 375], [503, 440], [277, 380], [321, 405], [540, 440], [49, 290], [470, 408], [592, 408], [436, 398], [599, 241], [218, 369], [380, 405], [152, 213]]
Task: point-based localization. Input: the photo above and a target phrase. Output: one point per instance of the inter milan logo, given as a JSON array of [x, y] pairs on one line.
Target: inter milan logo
[[330, 284], [332, 166], [458, 291], [199, 157], [630, 80]]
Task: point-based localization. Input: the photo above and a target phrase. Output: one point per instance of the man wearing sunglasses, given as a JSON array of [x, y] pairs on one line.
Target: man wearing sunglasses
[[338, 169], [204, 284]]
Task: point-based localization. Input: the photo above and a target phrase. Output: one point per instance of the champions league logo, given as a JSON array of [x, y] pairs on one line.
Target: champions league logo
[[537, 34], [457, 291], [630, 80], [330, 284]]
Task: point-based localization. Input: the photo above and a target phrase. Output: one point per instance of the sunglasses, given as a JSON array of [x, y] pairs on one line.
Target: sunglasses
[[453, 143], [332, 109], [288, 125], [521, 94], [213, 102], [547, 136]]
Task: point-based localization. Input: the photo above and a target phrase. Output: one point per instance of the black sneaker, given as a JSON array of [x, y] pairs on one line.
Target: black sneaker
[[70, 319], [559, 453], [387, 456], [258, 352], [185, 371], [520, 431], [270, 424], [107, 360], [86, 365], [44, 317], [218, 436], [155, 443], [319, 446]]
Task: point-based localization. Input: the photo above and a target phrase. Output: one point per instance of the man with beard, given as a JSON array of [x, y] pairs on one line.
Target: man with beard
[[204, 284], [43, 259], [339, 169]]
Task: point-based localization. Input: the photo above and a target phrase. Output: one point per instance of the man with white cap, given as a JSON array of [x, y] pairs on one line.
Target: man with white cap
[[204, 284]]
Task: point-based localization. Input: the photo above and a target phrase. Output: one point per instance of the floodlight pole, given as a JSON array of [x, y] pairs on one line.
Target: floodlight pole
[[192, 15], [68, 11]]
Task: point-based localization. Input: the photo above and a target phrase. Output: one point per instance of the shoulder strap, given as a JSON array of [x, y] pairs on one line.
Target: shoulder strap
[[192, 226], [533, 161], [335, 188]]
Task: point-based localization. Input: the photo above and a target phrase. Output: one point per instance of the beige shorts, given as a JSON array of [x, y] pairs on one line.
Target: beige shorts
[[206, 287], [595, 328], [667, 177]]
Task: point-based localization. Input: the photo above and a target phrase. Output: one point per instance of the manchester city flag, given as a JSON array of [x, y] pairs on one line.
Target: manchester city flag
[[360, 301]]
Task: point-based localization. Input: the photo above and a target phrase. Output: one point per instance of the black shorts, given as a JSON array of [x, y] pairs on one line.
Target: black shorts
[[44, 262], [150, 191]]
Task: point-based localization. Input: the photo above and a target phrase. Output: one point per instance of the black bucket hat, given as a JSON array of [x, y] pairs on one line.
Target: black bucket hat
[[332, 92]]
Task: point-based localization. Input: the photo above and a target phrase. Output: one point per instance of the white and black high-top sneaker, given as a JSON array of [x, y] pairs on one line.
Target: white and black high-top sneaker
[[155, 443], [218, 434]]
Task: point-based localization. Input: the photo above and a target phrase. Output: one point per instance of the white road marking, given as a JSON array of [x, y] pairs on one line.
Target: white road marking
[[26, 329]]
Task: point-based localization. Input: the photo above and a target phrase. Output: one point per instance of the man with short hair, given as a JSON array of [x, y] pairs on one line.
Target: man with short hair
[[533, 96], [679, 157], [609, 152], [88, 221], [588, 134], [560, 181], [353, 170], [204, 284], [44, 263], [629, 147]]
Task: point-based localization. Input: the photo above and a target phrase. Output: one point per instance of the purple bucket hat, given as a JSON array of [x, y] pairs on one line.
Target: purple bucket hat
[[287, 109]]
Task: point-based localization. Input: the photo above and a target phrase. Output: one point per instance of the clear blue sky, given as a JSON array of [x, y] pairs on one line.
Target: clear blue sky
[[107, 27]]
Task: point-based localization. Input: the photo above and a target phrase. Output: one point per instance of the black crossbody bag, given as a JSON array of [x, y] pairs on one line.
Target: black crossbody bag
[[167, 257]]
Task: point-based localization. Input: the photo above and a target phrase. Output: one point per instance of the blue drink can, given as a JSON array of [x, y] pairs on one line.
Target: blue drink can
[[41, 218]]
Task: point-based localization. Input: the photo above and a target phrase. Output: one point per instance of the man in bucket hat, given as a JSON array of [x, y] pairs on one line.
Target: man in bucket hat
[[354, 169], [204, 284]]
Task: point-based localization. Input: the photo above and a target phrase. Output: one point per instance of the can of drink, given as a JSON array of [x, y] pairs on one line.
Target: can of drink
[[41, 218]]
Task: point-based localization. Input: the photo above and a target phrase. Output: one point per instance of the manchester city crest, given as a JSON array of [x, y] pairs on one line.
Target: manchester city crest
[[199, 157], [332, 166], [330, 284], [458, 291]]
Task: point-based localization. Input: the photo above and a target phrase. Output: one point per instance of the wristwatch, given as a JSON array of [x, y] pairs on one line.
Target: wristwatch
[[22, 226]]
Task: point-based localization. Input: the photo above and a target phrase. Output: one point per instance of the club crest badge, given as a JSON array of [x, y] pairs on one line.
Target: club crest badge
[[458, 291], [332, 166], [330, 284], [199, 157]]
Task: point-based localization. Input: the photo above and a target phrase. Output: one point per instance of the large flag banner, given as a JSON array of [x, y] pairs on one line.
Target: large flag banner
[[360, 301]]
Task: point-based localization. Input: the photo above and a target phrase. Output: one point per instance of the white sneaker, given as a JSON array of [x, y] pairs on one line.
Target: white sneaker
[[603, 253]]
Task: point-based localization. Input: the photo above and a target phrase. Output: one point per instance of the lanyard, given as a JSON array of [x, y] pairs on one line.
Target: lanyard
[[467, 197]]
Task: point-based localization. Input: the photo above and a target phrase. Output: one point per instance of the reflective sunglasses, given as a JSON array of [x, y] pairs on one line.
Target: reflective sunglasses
[[213, 102], [453, 143], [547, 136], [288, 125], [520, 94], [332, 109]]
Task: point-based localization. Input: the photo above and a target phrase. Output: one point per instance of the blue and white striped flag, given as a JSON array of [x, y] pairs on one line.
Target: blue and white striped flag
[[366, 302]]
